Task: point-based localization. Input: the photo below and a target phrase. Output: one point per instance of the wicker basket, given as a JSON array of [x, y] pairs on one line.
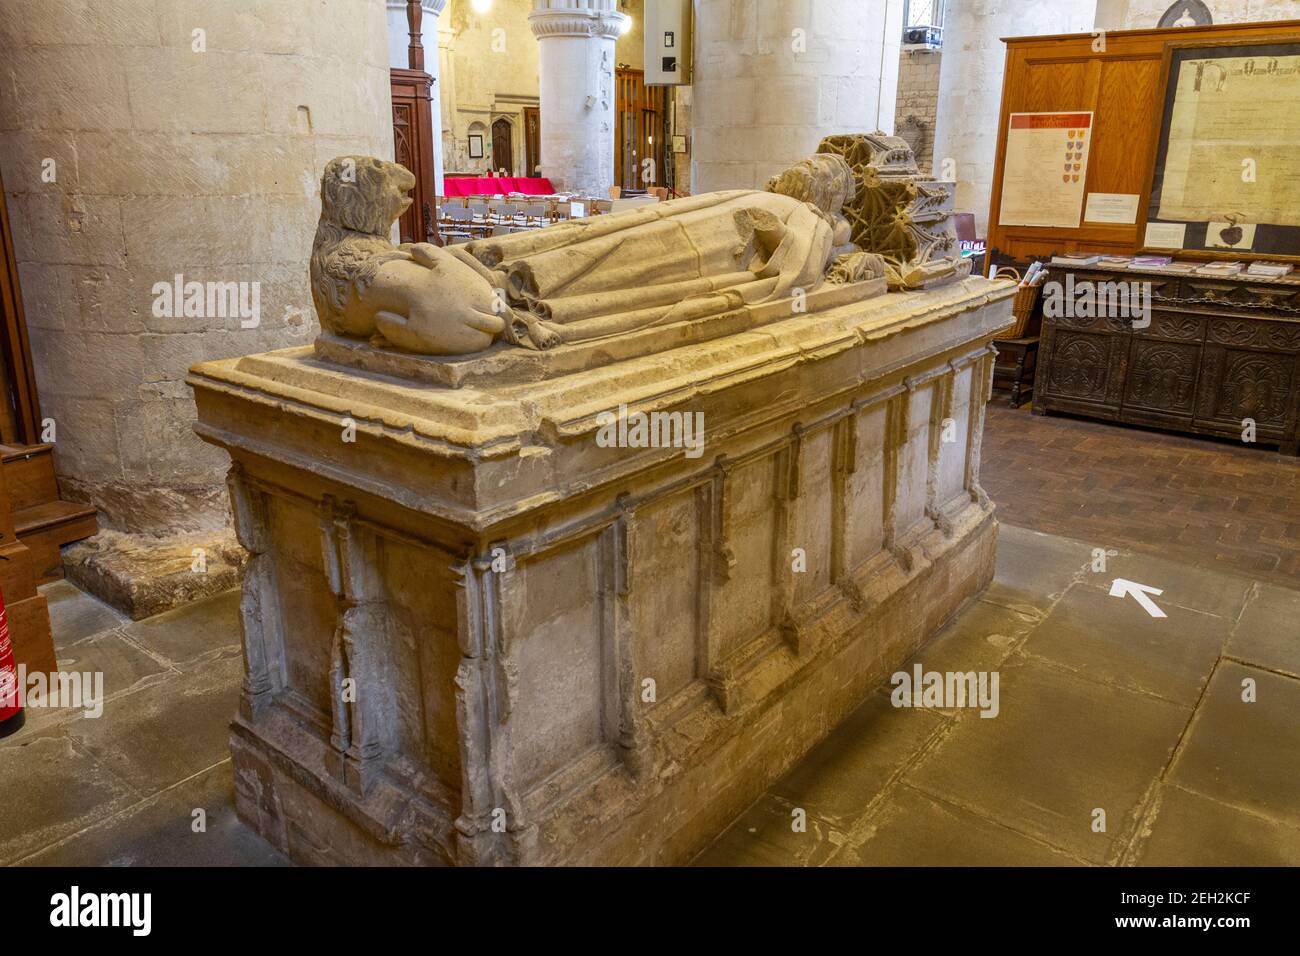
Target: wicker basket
[[1022, 307]]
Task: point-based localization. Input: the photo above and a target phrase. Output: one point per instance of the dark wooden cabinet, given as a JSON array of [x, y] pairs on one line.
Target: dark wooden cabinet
[[1218, 352]]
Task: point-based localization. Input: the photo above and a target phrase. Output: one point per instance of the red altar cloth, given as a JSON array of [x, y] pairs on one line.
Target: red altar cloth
[[491, 185]]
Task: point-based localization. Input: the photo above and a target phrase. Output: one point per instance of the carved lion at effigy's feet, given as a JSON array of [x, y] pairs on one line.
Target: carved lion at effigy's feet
[[415, 296]]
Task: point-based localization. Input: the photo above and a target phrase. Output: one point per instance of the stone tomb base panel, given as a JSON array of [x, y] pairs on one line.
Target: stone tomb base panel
[[748, 751], [724, 760]]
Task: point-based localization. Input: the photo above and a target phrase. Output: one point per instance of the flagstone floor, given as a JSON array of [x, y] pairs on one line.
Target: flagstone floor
[[1103, 709], [1120, 738], [1215, 504]]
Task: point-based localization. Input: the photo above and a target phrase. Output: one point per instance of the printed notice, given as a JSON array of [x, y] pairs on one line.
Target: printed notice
[[1165, 235], [1120, 208], [1046, 169]]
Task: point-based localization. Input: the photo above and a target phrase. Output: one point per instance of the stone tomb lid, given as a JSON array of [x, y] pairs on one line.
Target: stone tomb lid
[[498, 401], [507, 364]]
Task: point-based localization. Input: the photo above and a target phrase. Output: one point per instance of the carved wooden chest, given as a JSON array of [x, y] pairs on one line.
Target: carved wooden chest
[[1218, 356]]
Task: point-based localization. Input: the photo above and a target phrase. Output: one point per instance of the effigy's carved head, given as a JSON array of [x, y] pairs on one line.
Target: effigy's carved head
[[364, 194], [823, 179]]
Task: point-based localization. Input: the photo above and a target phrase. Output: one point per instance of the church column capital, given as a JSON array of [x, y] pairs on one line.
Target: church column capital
[[576, 18]]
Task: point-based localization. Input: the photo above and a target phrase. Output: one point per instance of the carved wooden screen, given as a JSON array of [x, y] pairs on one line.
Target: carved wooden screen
[[641, 131], [19, 410], [413, 148], [532, 140]]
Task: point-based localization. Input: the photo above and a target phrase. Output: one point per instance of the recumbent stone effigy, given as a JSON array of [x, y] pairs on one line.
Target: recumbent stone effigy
[[474, 633]]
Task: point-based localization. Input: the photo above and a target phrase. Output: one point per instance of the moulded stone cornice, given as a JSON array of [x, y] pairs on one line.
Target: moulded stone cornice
[[577, 18]]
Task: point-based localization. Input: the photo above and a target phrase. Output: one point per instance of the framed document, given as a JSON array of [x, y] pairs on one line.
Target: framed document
[[475, 145], [1225, 178], [1045, 173]]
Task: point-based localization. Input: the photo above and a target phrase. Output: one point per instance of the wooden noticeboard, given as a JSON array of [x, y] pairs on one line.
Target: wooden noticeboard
[[1121, 82]]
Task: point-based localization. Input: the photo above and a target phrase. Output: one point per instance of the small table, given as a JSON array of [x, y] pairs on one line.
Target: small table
[[1015, 366]]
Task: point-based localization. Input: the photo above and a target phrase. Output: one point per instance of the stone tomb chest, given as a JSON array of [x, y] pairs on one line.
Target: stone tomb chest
[[478, 632]]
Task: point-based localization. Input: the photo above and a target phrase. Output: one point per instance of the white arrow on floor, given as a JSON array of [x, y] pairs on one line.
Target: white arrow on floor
[[1121, 588]]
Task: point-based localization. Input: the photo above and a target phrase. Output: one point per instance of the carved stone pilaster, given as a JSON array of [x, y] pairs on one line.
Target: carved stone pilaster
[[719, 517], [940, 414], [785, 493], [618, 549], [488, 812], [981, 390], [361, 731], [896, 416], [844, 463], [259, 607]]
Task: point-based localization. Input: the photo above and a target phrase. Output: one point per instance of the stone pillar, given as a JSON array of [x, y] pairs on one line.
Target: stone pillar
[[576, 72], [771, 79], [446, 90], [141, 142], [970, 84], [430, 37]]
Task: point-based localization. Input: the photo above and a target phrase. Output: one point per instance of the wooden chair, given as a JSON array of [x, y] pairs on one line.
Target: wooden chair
[[459, 219]]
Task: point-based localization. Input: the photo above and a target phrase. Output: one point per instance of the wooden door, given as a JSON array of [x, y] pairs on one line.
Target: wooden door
[[640, 132], [532, 140], [503, 148]]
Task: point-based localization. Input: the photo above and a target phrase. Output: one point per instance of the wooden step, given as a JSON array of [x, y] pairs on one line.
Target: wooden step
[[17, 572], [44, 527], [29, 472]]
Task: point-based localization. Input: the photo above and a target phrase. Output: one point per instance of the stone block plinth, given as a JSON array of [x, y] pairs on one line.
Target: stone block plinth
[[479, 632]]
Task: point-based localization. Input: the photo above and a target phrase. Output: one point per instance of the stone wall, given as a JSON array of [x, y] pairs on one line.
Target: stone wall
[[143, 141], [1139, 14], [970, 83], [489, 71], [918, 102], [629, 49], [771, 80]]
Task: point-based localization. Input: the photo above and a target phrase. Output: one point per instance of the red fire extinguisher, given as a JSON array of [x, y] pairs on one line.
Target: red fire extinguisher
[[11, 712]]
